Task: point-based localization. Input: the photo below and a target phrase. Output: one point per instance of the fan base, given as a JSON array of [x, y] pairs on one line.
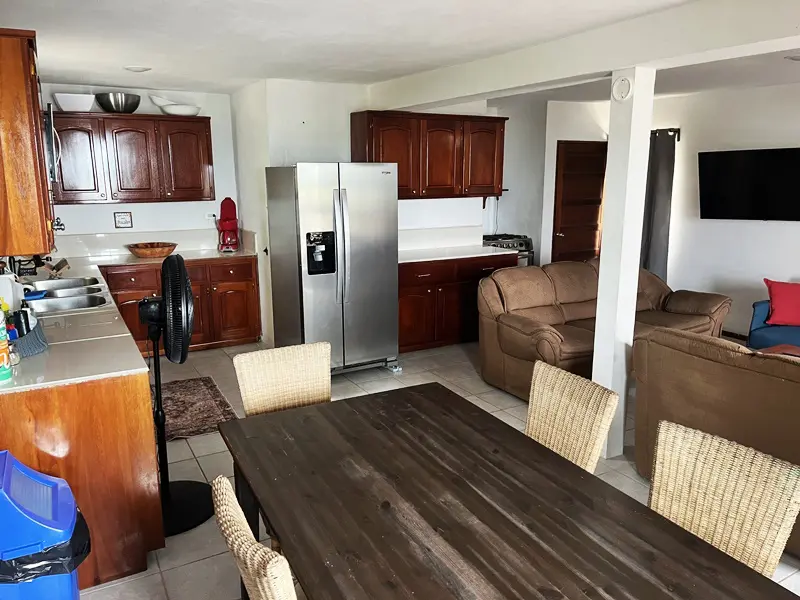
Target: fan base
[[190, 505]]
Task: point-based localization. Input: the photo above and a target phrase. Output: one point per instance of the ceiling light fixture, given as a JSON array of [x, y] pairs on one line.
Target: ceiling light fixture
[[793, 57], [135, 69]]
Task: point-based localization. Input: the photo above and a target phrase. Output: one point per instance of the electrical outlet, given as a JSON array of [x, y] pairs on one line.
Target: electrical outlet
[[211, 216]]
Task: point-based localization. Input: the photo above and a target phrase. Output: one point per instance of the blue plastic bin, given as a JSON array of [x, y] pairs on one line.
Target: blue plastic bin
[[40, 545]]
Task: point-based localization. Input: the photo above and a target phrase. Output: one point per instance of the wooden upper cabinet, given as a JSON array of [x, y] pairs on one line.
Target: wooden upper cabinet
[[483, 157], [132, 148], [437, 155], [81, 162], [440, 153], [186, 163], [25, 211]]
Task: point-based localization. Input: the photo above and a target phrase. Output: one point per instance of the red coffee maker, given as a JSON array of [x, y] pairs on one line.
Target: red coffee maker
[[228, 227]]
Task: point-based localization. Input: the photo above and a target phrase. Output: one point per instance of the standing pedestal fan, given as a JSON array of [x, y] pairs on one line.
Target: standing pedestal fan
[[184, 504]]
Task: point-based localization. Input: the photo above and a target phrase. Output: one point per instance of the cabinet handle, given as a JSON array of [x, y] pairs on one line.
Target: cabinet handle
[[169, 193], [154, 294], [424, 191], [133, 278], [413, 191], [115, 194], [102, 195], [231, 271], [429, 291], [215, 289], [466, 189], [487, 269], [559, 235], [424, 275], [440, 289]]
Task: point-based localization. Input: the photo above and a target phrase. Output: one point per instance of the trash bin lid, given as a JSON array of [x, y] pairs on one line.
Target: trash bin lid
[[38, 511]]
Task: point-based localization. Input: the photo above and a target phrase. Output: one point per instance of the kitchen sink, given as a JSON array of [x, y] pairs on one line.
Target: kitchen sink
[[49, 305], [66, 283], [68, 292]]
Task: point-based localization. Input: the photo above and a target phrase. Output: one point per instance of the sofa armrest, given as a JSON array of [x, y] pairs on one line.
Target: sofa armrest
[[695, 303], [760, 315], [527, 339]]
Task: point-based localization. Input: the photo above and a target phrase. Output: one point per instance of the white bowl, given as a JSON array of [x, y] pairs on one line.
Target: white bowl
[[182, 110], [159, 101], [74, 102]]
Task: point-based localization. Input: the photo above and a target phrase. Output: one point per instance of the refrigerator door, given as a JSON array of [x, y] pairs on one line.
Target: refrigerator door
[[369, 206], [318, 210]]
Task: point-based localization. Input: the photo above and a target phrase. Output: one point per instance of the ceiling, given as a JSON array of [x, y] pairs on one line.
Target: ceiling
[[749, 71], [220, 45]]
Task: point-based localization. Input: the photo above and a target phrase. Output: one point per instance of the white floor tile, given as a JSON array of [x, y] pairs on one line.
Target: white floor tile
[[215, 578], [502, 399], [516, 423], [455, 388], [456, 372], [792, 583], [199, 543], [627, 486], [474, 385], [520, 412], [214, 465], [603, 466], [627, 467], [424, 377], [476, 400], [788, 566], [187, 470], [345, 388], [178, 450], [152, 569], [208, 443], [381, 385], [415, 365], [359, 377], [144, 588]]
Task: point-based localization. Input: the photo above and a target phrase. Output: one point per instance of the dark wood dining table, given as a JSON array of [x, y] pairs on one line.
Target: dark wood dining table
[[418, 493]]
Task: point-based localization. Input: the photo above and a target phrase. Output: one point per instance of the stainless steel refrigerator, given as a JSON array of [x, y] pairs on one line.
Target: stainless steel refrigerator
[[333, 258]]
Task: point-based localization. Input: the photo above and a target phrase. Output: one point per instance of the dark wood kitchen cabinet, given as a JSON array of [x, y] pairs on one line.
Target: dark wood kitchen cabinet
[[26, 219], [440, 157], [81, 164], [445, 310], [437, 155], [224, 291], [186, 162], [133, 158]]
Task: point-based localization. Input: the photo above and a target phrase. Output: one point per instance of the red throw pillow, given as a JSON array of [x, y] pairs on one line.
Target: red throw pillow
[[784, 302]]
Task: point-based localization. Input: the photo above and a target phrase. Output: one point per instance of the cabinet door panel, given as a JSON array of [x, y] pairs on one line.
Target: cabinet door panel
[[203, 330], [235, 306], [441, 157], [132, 160], [452, 311], [186, 160], [128, 305], [396, 140], [417, 316], [483, 157], [81, 169]]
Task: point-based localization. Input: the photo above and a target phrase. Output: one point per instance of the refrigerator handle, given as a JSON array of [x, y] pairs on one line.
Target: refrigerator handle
[[338, 227], [346, 229]]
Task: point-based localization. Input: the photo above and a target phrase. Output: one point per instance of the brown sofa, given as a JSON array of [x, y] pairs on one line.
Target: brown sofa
[[719, 387], [548, 313]]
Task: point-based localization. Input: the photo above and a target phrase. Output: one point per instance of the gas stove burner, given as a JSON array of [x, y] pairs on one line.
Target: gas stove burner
[[503, 236], [509, 240]]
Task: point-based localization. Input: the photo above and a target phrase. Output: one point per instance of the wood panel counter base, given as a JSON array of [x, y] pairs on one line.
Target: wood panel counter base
[[98, 436]]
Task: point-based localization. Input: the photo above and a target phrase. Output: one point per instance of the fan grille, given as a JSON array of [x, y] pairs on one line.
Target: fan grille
[[179, 308]]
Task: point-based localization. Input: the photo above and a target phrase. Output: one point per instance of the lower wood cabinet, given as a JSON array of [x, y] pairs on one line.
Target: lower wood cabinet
[[225, 293], [445, 311]]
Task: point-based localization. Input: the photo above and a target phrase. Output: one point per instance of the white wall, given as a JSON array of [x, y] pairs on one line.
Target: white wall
[[96, 218], [519, 210], [725, 256], [566, 121]]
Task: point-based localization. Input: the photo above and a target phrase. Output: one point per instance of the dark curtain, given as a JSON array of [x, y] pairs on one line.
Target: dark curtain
[[658, 201]]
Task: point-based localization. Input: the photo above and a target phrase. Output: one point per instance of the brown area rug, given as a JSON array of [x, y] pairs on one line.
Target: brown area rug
[[194, 406]]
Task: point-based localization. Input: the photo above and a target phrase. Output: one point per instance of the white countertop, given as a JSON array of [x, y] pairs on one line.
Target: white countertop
[[406, 256], [83, 345], [129, 259]]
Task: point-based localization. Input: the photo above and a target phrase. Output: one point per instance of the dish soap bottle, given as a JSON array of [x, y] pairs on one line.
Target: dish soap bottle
[[5, 356]]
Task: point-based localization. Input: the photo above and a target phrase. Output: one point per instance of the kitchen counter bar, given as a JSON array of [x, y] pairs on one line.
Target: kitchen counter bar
[[455, 252]]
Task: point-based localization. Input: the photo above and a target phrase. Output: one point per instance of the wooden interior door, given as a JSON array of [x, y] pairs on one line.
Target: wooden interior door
[[235, 306], [441, 146], [81, 168], [132, 149], [186, 160], [483, 158], [580, 180], [396, 140]]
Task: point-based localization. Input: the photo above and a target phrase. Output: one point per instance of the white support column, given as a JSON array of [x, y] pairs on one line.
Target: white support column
[[623, 211]]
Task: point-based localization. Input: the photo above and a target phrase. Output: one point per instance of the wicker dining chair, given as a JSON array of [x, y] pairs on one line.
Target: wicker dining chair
[[736, 498], [569, 414], [265, 573], [282, 378]]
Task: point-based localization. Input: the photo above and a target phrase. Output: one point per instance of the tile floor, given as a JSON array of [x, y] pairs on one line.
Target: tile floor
[[196, 564]]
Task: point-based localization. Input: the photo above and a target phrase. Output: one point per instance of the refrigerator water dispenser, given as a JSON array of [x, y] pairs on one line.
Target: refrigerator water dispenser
[[321, 252]]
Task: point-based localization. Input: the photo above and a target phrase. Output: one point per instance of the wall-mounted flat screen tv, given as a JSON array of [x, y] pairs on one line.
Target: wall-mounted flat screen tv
[[756, 185]]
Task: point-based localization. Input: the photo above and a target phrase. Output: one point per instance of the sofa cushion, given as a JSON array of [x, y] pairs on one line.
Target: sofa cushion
[[658, 318], [572, 281], [577, 341], [524, 287], [639, 329]]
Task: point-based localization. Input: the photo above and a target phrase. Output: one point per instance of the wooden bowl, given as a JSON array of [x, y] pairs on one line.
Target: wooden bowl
[[152, 249]]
